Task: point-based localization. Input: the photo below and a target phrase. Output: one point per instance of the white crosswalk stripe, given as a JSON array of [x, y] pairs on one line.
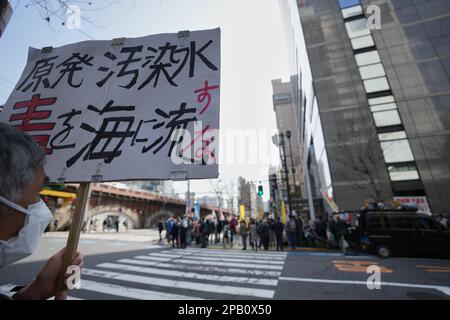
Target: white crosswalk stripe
[[197, 286], [218, 258], [177, 252], [203, 268], [191, 275], [186, 274]]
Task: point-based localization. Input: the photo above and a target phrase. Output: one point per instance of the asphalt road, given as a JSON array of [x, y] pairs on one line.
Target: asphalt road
[[121, 269]]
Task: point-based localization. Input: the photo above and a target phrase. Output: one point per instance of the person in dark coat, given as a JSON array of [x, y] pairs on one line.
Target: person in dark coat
[[278, 228], [264, 231]]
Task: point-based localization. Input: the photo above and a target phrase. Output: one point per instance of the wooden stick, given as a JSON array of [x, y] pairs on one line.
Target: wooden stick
[[74, 234]]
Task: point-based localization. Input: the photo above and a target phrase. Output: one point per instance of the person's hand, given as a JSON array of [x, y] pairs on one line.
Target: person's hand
[[45, 284]]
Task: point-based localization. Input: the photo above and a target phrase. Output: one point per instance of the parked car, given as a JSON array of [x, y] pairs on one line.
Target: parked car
[[401, 233]]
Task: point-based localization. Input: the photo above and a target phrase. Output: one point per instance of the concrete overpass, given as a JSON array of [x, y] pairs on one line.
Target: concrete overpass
[[139, 208]]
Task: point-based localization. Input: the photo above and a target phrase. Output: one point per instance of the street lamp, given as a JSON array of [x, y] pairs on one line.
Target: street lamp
[[288, 189]]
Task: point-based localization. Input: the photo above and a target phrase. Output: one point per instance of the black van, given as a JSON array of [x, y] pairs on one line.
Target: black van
[[399, 233]]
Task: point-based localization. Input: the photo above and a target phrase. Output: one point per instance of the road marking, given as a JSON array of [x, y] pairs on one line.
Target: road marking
[[443, 289], [224, 255], [357, 266], [249, 253], [195, 257], [215, 263], [161, 282], [203, 268], [435, 268], [191, 275], [133, 293]]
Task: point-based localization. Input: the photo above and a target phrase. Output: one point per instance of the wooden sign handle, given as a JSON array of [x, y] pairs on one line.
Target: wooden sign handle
[[74, 236]]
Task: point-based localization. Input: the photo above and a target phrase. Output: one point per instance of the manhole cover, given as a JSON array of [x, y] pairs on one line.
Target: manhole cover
[[418, 295]]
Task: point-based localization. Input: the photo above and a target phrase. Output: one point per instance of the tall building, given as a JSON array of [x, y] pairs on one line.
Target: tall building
[[287, 121], [5, 15], [379, 98]]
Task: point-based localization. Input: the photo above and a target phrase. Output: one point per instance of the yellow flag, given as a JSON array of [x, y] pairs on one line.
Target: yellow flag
[[242, 207], [283, 213]]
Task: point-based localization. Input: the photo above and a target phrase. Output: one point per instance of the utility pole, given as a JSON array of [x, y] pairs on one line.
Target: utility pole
[[188, 197]]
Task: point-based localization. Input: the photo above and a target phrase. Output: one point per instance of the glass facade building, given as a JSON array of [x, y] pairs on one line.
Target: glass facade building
[[382, 94]]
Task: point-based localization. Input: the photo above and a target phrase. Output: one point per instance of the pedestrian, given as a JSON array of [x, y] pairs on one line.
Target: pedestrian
[[233, 223], [243, 233], [116, 224], [183, 231], [279, 228], [264, 233], [204, 233], [292, 232], [176, 233], [169, 229], [160, 228], [24, 215], [253, 235], [226, 235], [342, 231], [300, 225], [104, 224], [197, 232]]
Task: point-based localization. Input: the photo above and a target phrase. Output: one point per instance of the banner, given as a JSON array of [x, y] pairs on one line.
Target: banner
[[420, 202], [242, 209], [330, 201], [283, 213], [127, 109]]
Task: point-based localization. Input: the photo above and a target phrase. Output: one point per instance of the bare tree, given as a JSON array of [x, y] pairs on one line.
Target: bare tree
[[231, 194], [57, 11], [218, 186], [360, 153]]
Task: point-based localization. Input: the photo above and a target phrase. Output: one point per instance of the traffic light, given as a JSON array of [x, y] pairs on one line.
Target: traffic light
[[260, 191]]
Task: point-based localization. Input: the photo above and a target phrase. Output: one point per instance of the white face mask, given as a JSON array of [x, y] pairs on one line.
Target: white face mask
[[38, 217]]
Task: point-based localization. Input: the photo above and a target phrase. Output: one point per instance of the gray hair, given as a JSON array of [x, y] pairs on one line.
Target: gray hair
[[20, 157]]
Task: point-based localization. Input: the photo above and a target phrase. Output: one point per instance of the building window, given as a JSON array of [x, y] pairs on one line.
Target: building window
[[397, 135], [362, 42], [403, 172], [372, 71], [397, 151], [387, 118], [376, 85], [366, 58], [357, 28], [348, 3], [381, 100], [352, 11], [383, 107]]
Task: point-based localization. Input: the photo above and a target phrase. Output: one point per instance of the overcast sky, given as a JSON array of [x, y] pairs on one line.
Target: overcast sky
[[253, 53]]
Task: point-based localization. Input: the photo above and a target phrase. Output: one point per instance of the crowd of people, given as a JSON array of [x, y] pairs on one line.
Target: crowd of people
[[268, 233]]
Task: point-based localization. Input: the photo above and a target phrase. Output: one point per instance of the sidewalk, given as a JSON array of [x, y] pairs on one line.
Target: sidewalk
[[134, 235]]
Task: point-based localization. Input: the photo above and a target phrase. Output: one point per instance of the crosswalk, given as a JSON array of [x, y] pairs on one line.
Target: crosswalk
[[185, 274], [182, 274]]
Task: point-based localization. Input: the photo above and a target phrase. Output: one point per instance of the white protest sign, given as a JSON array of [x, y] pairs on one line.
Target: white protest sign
[[132, 108]]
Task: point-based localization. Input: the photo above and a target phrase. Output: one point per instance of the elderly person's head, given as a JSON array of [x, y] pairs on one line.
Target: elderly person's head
[[23, 216]]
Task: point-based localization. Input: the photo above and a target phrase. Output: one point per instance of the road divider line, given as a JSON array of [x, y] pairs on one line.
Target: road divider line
[[445, 290]]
